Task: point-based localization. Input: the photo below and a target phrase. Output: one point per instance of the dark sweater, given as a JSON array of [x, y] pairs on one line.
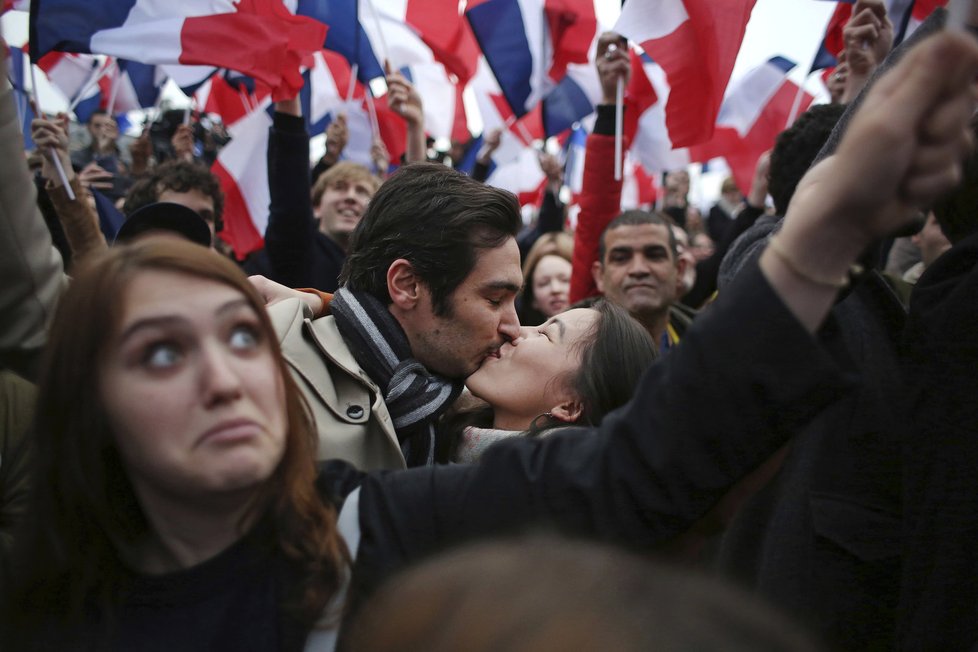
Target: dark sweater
[[298, 254]]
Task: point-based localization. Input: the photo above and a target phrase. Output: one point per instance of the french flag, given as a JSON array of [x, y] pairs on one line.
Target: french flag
[[647, 101], [444, 111], [518, 133], [347, 36], [258, 37], [522, 177], [696, 44], [406, 32], [755, 111], [906, 16], [70, 73], [242, 168], [541, 53], [131, 86]]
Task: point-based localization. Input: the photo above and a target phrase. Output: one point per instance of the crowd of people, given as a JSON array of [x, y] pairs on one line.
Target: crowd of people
[[412, 422]]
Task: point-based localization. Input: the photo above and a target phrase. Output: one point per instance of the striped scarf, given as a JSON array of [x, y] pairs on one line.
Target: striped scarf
[[414, 396]]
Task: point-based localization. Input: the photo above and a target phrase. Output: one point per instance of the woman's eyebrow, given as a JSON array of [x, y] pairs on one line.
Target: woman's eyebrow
[[160, 321]]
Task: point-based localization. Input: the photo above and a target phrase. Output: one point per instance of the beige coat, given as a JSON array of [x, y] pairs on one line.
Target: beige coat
[[350, 413]]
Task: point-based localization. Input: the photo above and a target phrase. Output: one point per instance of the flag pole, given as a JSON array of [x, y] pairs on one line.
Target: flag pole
[[51, 151], [380, 31], [619, 111], [115, 89], [372, 113], [797, 102], [354, 71]]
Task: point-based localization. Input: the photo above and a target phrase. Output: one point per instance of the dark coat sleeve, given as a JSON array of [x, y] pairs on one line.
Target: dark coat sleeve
[[290, 236], [652, 468]]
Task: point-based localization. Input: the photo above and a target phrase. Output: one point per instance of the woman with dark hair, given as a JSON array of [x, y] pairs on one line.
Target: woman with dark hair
[[177, 505], [546, 278], [571, 370]]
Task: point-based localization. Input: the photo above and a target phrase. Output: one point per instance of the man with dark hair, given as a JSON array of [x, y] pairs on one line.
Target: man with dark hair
[[796, 148], [428, 293], [632, 259], [180, 182], [640, 269]]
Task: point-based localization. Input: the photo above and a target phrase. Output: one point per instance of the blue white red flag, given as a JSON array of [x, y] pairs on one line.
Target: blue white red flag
[[541, 54], [444, 111], [695, 42], [71, 74], [754, 112], [906, 16], [522, 177], [260, 38], [242, 168], [405, 32]]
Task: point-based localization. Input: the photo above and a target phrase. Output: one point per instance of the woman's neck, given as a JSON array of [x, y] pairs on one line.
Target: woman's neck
[[506, 421], [181, 536]]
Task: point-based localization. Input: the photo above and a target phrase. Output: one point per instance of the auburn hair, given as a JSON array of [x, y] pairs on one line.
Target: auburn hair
[[85, 513]]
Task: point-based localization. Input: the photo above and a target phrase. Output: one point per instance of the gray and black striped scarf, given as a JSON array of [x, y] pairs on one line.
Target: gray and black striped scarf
[[414, 396]]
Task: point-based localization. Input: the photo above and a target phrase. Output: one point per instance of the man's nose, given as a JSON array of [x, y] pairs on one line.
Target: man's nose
[[509, 324]]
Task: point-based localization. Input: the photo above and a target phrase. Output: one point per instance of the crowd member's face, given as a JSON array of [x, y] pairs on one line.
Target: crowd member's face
[[528, 377], [551, 285], [191, 391], [103, 128], [195, 200], [482, 316], [638, 272], [688, 261], [342, 205]]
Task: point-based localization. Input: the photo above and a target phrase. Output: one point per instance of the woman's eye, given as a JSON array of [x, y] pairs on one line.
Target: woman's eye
[[161, 356], [243, 337]]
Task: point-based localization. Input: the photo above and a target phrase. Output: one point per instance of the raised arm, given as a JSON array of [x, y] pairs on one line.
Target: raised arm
[[78, 216], [290, 236], [404, 99], [30, 267], [655, 466], [600, 193]]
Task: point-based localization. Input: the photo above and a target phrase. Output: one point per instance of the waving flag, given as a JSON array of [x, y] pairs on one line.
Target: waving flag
[[754, 112], [407, 32], [70, 73], [346, 36], [541, 54], [242, 168], [131, 85], [444, 112], [906, 16], [522, 177], [696, 43], [257, 37]]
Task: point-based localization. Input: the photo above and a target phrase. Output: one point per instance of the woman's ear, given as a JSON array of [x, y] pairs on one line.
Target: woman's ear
[[569, 411], [402, 284]]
